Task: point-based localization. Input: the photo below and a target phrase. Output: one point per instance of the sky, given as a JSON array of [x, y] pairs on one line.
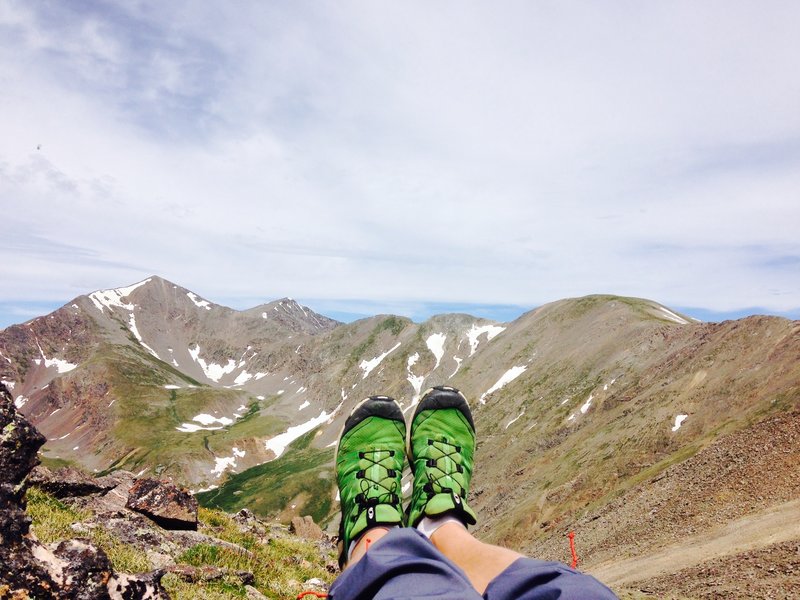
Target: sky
[[407, 157]]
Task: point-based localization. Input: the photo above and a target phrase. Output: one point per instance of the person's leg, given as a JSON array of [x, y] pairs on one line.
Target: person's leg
[[381, 560], [441, 448], [402, 564]]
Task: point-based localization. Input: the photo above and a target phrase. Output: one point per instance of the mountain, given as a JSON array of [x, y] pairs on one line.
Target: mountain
[[636, 427]]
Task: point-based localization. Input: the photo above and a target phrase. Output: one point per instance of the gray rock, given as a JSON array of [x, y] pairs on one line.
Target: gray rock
[[165, 503], [305, 528]]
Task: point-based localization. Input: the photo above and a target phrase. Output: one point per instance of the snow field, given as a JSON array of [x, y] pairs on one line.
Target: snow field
[[475, 332]]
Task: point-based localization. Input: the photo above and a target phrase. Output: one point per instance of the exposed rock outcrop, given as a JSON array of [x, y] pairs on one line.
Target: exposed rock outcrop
[[74, 569]]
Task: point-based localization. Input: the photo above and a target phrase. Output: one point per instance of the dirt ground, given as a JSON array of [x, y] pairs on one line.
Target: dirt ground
[[755, 557]]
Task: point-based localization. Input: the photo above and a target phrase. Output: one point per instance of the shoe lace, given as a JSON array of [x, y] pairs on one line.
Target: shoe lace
[[378, 480], [441, 471]]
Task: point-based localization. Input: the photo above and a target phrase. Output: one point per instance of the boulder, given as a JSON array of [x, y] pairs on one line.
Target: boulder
[[19, 442], [165, 503], [305, 528], [69, 482]]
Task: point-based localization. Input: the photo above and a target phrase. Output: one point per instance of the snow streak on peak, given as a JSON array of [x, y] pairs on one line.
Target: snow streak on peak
[[368, 365], [135, 332], [112, 298], [199, 302], [668, 314], [435, 344], [475, 332], [507, 378]]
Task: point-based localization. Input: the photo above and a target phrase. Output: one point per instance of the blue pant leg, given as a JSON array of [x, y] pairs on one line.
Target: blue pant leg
[[531, 579], [400, 566]]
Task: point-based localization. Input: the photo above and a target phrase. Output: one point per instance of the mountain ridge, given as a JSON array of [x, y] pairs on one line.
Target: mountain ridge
[[577, 402]]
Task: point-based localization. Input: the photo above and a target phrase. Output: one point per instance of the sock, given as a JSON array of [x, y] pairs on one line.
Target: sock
[[428, 525]]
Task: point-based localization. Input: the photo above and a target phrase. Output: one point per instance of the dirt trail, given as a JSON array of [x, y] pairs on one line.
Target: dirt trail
[[777, 524]]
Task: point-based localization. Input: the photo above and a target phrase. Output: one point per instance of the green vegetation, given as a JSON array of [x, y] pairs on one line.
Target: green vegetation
[[302, 475], [52, 521], [392, 324], [279, 565]]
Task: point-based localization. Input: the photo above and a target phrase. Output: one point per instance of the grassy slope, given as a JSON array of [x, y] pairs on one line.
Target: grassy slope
[[278, 564], [302, 472]]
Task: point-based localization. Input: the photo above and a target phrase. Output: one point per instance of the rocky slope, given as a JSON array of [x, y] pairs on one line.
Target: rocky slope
[[593, 414], [69, 536]]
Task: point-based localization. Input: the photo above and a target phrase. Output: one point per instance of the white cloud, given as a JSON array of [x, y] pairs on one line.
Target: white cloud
[[406, 152]]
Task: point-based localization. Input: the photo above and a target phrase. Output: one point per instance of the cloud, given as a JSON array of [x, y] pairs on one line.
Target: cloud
[[404, 153]]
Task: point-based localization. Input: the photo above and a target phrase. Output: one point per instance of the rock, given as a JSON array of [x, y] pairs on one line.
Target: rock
[[69, 482], [305, 528], [165, 503], [84, 570], [315, 584], [253, 593], [74, 569], [19, 442], [145, 586]]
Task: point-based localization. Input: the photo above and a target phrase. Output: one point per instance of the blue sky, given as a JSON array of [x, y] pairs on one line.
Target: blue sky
[[404, 158]]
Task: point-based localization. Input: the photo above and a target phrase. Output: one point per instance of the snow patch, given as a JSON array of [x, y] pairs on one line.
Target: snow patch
[[672, 316], [679, 421], [20, 401], [260, 376], [279, 443], [199, 302], [435, 344], [305, 404], [301, 389], [213, 371], [201, 490], [514, 420], [223, 463], [243, 378], [587, 404], [9, 384], [475, 332], [507, 378], [368, 365], [111, 298], [62, 365], [205, 421], [458, 366], [170, 386], [415, 380]]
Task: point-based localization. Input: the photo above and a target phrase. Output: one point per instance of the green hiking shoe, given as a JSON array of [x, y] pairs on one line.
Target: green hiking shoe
[[441, 447], [369, 464]]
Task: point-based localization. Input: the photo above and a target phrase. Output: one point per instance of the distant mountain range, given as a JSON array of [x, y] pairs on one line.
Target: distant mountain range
[[585, 408]]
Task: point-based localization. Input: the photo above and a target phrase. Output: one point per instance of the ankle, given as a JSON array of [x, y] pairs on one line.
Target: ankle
[[359, 546], [430, 525]]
